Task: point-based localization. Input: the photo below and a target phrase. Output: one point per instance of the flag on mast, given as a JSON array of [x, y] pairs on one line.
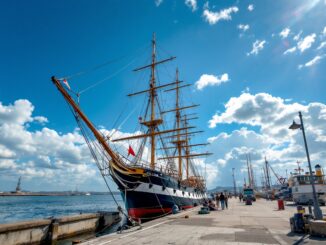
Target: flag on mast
[[66, 83], [131, 151]]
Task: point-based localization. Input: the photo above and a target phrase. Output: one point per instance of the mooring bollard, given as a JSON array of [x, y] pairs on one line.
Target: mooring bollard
[[280, 204], [53, 232]]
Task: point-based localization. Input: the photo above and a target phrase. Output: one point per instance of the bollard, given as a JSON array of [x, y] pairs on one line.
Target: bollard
[[310, 209], [54, 232], [280, 204], [300, 209]]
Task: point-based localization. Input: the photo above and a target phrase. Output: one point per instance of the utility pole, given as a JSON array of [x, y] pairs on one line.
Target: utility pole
[[317, 211], [234, 183], [268, 182]]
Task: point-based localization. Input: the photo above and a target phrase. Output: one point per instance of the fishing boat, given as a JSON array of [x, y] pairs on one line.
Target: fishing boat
[[302, 189], [151, 184]]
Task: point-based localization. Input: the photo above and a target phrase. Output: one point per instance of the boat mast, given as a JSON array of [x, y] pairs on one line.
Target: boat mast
[[178, 142], [187, 148], [152, 99]]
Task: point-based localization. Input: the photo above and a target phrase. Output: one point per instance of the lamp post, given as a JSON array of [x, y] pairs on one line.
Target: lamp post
[[234, 184], [317, 211]]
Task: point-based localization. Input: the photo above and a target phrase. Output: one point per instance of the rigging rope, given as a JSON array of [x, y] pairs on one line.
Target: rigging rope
[[94, 68], [107, 78]]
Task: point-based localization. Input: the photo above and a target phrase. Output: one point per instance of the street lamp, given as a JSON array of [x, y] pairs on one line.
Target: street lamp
[[234, 184], [317, 211]]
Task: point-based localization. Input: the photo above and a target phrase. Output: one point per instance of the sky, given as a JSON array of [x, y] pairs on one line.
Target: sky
[[253, 66]]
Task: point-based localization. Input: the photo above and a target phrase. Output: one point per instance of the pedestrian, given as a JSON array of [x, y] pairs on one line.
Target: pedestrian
[[226, 201], [240, 197], [222, 200], [217, 198]]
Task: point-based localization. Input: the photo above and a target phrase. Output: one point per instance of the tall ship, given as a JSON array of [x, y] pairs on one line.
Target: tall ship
[[155, 167], [302, 189]]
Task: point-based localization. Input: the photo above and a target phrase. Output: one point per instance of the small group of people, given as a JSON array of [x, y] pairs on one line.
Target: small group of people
[[240, 197], [222, 199]]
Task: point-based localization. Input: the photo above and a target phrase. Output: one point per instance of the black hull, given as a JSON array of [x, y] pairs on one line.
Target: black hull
[[153, 196]]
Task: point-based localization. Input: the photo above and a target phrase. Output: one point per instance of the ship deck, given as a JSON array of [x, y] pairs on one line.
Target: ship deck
[[260, 223]]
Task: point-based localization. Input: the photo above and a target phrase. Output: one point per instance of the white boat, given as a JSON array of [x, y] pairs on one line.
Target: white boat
[[302, 188]]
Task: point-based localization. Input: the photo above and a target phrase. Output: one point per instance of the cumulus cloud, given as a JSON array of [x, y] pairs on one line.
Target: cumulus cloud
[[251, 7], [43, 152], [312, 62], [211, 80], [324, 31], [270, 116], [297, 37], [290, 50], [192, 4], [321, 45], [158, 2], [261, 109], [306, 42], [257, 46], [214, 17], [285, 32], [243, 27]]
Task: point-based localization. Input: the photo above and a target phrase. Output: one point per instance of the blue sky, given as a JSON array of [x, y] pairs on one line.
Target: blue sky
[[284, 72]]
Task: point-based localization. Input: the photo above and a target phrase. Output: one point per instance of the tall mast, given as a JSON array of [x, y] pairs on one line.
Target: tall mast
[[187, 149], [18, 189], [178, 142], [152, 99], [268, 183], [248, 169]]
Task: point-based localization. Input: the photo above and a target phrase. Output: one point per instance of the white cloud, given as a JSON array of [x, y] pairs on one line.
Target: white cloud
[[290, 50], [285, 32], [297, 37], [243, 27], [250, 7], [324, 31], [191, 4], [211, 80], [271, 117], [321, 45], [214, 17], [257, 46], [40, 153], [306, 42], [256, 110], [158, 2], [312, 62]]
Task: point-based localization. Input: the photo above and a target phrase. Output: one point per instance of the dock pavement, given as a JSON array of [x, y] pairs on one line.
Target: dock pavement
[[240, 224]]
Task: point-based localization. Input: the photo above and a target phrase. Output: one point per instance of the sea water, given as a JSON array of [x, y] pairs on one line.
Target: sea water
[[22, 208]]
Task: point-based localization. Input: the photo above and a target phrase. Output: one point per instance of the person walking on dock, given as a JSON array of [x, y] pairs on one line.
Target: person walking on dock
[[217, 199], [226, 201], [240, 197], [222, 200]]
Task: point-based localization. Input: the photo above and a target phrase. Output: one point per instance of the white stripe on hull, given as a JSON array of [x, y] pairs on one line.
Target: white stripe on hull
[[144, 187]]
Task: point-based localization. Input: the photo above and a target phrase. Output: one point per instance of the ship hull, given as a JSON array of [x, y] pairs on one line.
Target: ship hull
[[154, 196]]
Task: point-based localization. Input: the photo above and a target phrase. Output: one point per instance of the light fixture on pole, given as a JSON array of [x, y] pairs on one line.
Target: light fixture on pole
[[234, 183], [317, 211]]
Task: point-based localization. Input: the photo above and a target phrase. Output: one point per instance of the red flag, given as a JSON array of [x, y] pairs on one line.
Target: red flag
[[66, 83], [131, 151]]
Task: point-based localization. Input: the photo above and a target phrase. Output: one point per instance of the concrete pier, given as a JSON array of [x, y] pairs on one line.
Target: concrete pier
[[260, 223], [49, 231]]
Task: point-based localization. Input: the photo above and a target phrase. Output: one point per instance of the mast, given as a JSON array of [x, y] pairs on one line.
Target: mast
[[177, 115], [268, 183], [187, 149], [18, 189], [153, 122], [249, 175], [252, 174], [152, 99]]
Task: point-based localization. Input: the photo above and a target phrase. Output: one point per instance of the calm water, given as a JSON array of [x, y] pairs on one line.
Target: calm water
[[13, 209]]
